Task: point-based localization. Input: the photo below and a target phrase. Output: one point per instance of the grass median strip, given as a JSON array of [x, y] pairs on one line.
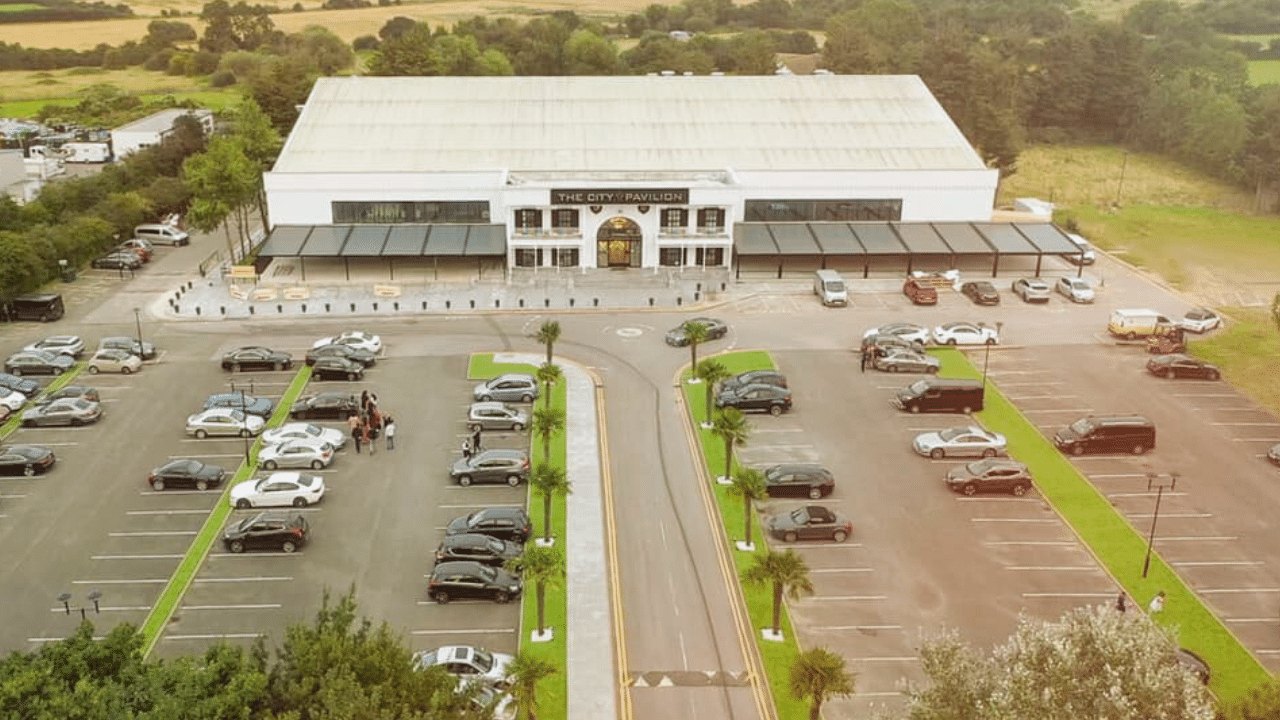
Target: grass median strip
[[162, 609], [15, 420]]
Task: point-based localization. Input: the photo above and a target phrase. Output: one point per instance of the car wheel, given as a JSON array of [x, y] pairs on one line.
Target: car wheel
[[933, 369], [442, 597], [775, 410], [1212, 375], [464, 480], [951, 342], [244, 432], [893, 368], [839, 536], [351, 377], [1139, 449], [915, 409], [29, 471], [989, 452], [486, 398], [243, 504], [517, 427], [93, 369], [1170, 374], [201, 485], [815, 493], [316, 464], [502, 598], [201, 434], [526, 398], [235, 367], [1020, 489], [1077, 450], [236, 546], [269, 465], [28, 423], [513, 480], [299, 502], [157, 484], [124, 370], [966, 410], [76, 422], [937, 453], [969, 489], [789, 537], [277, 366], [288, 546]]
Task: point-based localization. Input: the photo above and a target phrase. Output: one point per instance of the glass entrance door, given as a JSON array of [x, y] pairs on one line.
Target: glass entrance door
[[618, 243]]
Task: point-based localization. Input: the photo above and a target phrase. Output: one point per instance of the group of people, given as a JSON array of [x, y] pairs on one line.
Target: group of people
[[471, 445], [370, 424]]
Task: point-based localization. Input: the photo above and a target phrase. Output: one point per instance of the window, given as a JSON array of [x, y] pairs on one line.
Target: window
[[671, 257], [390, 213], [675, 219], [709, 256], [822, 210], [528, 219], [528, 257], [710, 219], [564, 219], [567, 257]]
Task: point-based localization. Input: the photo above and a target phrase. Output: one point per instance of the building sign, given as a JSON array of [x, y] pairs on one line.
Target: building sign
[[629, 196]]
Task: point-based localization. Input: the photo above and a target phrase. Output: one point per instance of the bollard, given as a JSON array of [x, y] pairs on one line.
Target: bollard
[[353, 307], [279, 308], [177, 295], [224, 310], [723, 286], [595, 302], [177, 309], [448, 304], [326, 307], [173, 304], [570, 302], [698, 287], [497, 303], [521, 301], [424, 304], [473, 304], [375, 305], [395, 305], [188, 284], [696, 295], [251, 310], [679, 301], [650, 302], [546, 302], [304, 308]]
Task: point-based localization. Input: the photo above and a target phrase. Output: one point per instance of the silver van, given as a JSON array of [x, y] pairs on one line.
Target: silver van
[[161, 234], [830, 288]]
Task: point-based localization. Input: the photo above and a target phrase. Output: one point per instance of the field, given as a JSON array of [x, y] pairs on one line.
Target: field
[[23, 92], [1264, 72]]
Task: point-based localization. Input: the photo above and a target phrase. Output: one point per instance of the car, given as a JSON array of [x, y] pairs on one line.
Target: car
[[496, 416], [490, 702], [304, 431], [11, 400], [477, 547], [1085, 254], [267, 531], [881, 344], [142, 246], [907, 331], [144, 350], [143, 254], [1273, 454], [68, 411], [65, 344], [899, 360], [811, 522], [38, 363], [71, 391], [990, 475], [799, 479], [314, 454], [512, 387], [186, 472], [330, 405], [756, 398], [252, 404], [467, 663], [256, 358], [224, 421], [981, 292], [279, 489], [1182, 366], [1032, 290], [492, 466], [962, 441], [755, 377], [114, 361], [23, 385], [465, 580], [336, 368], [677, 337], [920, 292], [506, 522], [1077, 290], [965, 333], [1194, 664], [349, 352], [117, 260], [27, 460], [1200, 320], [353, 338]]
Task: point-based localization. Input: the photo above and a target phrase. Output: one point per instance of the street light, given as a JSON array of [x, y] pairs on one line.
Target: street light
[[986, 359], [94, 597], [244, 434], [137, 319], [1159, 484]]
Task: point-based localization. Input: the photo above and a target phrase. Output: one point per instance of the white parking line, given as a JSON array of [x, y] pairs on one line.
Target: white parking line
[[998, 373], [12, 496], [1067, 595], [1268, 652], [822, 628], [777, 447], [278, 578], [216, 636], [205, 511], [468, 631], [822, 546], [1052, 568], [844, 598], [148, 581], [1171, 515], [840, 570], [1068, 543], [1204, 395], [1264, 620], [109, 608], [1034, 384], [1200, 538], [253, 606], [1144, 494], [207, 455], [1115, 476], [153, 533], [886, 693], [1233, 409], [59, 639], [136, 557], [1261, 440], [1216, 563], [1247, 424], [1236, 591], [1043, 521], [1020, 398], [1078, 411], [464, 506], [57, 444], [760, 431]]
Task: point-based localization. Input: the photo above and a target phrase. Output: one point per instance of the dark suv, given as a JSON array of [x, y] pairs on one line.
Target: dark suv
[[755, 377], [267, 531], [1107, 434], [756, 398], [465, 579], [249, 403], [505, 523], [492, 466], [480, 548], [799, 479]]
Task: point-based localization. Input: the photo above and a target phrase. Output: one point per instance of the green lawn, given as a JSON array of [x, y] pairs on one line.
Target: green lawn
[[63, 380], [20, 7], [1264, 72], [213, 99], [1246, 350]]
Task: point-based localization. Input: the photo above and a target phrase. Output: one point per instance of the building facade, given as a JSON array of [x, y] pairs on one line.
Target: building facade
[[150, 130]]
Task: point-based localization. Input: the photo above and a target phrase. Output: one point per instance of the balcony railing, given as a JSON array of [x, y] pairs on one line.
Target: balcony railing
[[535, 233]]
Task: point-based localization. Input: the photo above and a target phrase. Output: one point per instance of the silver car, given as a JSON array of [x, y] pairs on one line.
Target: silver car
[[1032, 290], [314, 454], [62, 344], [496, 416], [963, 441], [224, 421], [907, 361], [67, 411], [304, 431], [512, 387], [1075, 289]]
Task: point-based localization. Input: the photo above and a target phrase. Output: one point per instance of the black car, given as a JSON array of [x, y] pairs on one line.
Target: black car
[[72, 391], [716, 329], [990, 475], [981, 293], [755, 377], [509, 523], [185, 472], [1182, 366], [466, 580], [251, 404], [267, 531], [330, 406], [479, 548], [38, 363], [26, 460], [144, 350], [256, 358], [355, 354], [799, 479], [336, 368], [20, 384], [492, 466], [756, 398], [118, 260]]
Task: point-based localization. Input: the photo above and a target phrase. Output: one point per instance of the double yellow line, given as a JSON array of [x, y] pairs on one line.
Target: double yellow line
[[611, 549]]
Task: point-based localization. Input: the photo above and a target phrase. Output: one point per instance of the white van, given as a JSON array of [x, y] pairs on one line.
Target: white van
[[1135, 323], [162, 234], [830, 288], [1086, 256]]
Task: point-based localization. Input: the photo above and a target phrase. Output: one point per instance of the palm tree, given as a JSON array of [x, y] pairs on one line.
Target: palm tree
[[819, 674], [731, 426], [541, 566], [710, 372], [549, 480], [786, 572], [548, 334], [548, 374], [694, 333], [524, 673], [546, 423], [748, 483]]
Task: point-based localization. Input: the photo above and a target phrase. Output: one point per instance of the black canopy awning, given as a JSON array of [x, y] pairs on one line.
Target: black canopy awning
[[900, 238], [348, 241]]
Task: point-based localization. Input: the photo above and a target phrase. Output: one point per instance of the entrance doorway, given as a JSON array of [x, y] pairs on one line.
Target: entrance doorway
[[618, 243]]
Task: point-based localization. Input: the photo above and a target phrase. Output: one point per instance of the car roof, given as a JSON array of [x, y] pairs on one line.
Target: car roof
[[453, 566], [513, 376], [499, 511], [798, 467], [289, 475], [501, 452], [488, 405]]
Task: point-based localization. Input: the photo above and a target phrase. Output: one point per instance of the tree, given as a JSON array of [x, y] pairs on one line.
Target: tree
[[541, 566], [548, 374], [1092, 662], [524, 673], [1261, 703], [549, 481], [279, 87], [816, 675], [547, 422], [395, 27], [224, 183], [748, 484], [787, 573], [731, 426], [261, 143], [586, 53], [710, 372], [878, 37], [695, 333], [548, 334]]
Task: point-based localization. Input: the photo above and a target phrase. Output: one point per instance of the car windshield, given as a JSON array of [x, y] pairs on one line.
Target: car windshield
[[80, 404], [496, 545], [952, 433], [978, 467], [488, 573], [236, 415], [307, 480], [483, 660], [1081, 427], [800, 516], [918, 387], [1078, 284]]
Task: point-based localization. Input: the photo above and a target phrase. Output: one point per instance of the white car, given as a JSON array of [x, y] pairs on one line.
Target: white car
[[965, 333], [111, 360], [12, 399], [280, 489], [62, 344], [1200, 320], [906, 331], [963, 441], [224, 421], [353, 338], [468, 663], [1075, 289], [314, 454], [304, 431]]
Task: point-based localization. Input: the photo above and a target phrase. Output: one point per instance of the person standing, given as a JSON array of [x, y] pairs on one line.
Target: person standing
[[357, 434], [390, 429], [353, 422], [862, 361], [367, 434], [375, 428], [466, 449], [364, 404], [1121, 605], [1157, 604], [475, 441]]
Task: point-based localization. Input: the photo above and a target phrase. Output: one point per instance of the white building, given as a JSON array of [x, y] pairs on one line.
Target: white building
[[151, 129], [618, 171]]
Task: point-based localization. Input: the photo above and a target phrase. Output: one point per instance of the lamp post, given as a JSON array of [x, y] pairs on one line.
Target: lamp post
[[137, 319], [986, 359], [244, 417], [94, 597], [1159, 483]]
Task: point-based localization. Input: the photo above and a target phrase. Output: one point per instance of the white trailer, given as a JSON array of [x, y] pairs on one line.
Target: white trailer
[[86, 152]]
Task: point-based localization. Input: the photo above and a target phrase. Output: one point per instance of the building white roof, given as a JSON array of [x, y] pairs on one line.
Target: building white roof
[[159, 122], [622, 124]]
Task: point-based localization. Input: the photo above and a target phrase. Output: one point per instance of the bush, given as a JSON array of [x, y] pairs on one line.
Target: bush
[[365, 42], [222, 78], [204, 62], [159, 61], [181, 64]]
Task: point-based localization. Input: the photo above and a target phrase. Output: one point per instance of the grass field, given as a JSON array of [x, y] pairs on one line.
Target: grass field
[[23, 93], [1264, 72], [63, 380], [20, 7], [1247, 351]]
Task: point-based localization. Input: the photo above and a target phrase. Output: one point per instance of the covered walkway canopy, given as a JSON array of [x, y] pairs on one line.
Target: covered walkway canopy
[[864, 240], [384, 241]]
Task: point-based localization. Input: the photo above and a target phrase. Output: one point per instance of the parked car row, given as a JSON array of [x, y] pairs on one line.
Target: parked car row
[[922, 291]]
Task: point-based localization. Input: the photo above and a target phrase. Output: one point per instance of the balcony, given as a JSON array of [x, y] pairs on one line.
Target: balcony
[[546, 233]]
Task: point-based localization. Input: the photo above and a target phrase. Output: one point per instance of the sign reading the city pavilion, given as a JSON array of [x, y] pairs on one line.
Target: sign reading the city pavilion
[[627, 196]]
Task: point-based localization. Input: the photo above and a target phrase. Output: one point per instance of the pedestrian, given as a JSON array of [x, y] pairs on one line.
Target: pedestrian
[[357, 434], [353, 422], [862, 361], [364, 403], [390, 429], [1157, 604], [375, 430], [373, 401], [466, 449], [475, 441], [367, 435], [1121, 606]]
